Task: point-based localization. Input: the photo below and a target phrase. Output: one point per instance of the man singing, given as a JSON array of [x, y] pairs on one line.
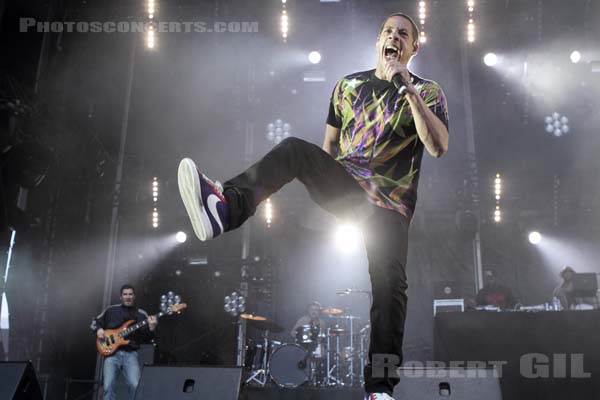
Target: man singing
[[367, 171]]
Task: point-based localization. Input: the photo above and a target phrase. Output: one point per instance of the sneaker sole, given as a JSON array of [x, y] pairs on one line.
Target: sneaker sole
[[189, 189]]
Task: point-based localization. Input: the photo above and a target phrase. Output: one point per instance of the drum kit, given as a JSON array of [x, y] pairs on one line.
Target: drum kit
[[334, 356]]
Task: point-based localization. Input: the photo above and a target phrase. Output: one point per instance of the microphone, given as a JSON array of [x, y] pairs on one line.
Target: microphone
[[398, 81]]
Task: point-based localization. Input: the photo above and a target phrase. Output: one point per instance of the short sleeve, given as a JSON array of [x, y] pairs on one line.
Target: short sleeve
[[434, 97]]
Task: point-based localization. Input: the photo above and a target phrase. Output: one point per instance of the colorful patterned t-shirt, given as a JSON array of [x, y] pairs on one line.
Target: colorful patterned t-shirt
[[379, 145]]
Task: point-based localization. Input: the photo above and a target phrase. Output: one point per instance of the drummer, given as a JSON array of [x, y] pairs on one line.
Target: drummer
[[312, 319]]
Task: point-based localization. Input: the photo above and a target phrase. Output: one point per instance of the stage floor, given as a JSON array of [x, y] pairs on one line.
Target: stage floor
[[301, 393]]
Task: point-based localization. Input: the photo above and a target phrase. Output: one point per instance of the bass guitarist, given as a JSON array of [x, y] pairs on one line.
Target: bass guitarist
[[125, 359]]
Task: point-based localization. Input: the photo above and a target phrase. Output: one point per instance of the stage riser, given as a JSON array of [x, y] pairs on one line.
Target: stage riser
[[301, 394]]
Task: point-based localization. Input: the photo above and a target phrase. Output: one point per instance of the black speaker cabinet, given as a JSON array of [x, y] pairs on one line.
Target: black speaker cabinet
[[189, 383], [447, 383], [18, 381]]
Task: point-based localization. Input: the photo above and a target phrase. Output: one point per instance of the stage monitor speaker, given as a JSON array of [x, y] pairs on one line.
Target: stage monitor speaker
[[189, 383], [447, 383], [18, 381]]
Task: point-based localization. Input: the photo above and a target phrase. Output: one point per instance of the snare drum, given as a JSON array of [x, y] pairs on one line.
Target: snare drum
[[289, 366]]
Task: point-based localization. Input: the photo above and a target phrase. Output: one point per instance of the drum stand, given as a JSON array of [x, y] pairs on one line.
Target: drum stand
[[361, 356], [351, 374], [312, 371], [261, 375], [332, 380]]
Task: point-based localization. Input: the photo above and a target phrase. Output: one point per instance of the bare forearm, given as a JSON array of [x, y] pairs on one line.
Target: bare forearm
[[432, 132]]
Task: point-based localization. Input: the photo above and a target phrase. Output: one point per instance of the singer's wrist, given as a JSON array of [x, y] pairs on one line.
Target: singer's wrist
[[411, 90]]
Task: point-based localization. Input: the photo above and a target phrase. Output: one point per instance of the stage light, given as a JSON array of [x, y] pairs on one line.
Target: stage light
[[348, 238], [497, 195], [284, 23], [198, 261], [314, 57], [422, 19], [575, 57], [535, 237], [155, 201], [150, 43], [150, 7], [278, 130], [269, 212], [422, 12], [181, 237], [470, 23], [557, 124], [234, 304], [169, 300], [471, 33], [490, 59]]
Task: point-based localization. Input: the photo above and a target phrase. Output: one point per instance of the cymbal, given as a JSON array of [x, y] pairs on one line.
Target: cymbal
[[350, 291], [336, 331], [265, 325], [332, 311], [345, 317], [253, 317]]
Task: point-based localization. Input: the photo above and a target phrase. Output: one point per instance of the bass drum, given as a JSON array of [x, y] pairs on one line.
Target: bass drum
[[289, 366]]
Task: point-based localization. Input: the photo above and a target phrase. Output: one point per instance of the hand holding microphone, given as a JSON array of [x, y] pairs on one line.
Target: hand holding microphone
[[397, 73], [399, 82]]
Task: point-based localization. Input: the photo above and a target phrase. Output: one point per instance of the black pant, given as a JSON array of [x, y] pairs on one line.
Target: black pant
[[385, 232]]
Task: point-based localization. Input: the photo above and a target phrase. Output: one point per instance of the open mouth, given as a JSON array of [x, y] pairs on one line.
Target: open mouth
[[391, 52]]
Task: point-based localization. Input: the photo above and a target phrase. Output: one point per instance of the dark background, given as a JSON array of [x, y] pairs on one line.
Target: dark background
[[204, 94]]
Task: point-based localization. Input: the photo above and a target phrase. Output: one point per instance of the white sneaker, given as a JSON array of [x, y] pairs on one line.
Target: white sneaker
[[378, 396], [204, 201]]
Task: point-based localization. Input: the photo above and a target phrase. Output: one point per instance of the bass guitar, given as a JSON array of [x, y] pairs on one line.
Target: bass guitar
[[115, 338]]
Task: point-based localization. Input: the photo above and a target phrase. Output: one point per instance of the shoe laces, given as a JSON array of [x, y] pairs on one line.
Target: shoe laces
[[215, 184], [379, 396]]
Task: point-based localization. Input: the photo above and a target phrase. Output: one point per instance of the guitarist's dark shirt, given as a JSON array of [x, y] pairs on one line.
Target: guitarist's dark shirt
[[116, 315]]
